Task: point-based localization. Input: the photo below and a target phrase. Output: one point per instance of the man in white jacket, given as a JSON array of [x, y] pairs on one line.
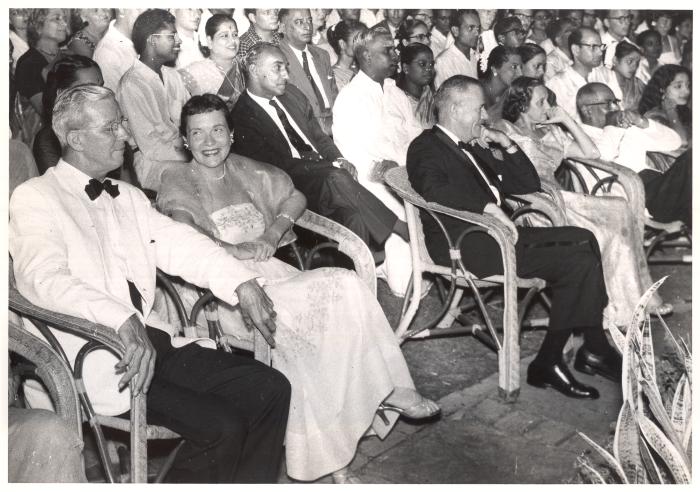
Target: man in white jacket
[[88, 247], [625, 137]]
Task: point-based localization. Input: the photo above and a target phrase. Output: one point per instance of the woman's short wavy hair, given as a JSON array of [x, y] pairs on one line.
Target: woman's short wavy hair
[[498, 56], [35, 23], [518, 96], [205, 103], [657, 85], [148, 23]]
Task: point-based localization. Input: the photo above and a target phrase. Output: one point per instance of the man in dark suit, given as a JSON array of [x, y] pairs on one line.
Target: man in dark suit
[[274, 123], [309, 66], [454, 164]]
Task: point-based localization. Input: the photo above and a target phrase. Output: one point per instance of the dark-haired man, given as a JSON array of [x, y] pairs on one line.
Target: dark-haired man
[[264, 26], [462, 57]]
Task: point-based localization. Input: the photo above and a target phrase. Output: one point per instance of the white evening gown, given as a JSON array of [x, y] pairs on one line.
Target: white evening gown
[[333, 343]]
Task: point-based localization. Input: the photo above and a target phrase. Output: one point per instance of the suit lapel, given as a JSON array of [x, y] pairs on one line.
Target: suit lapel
[[258, 115]]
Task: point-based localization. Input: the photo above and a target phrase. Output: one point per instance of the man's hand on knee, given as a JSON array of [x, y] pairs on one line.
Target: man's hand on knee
[[139, 358], [497, 213], [257, 309]]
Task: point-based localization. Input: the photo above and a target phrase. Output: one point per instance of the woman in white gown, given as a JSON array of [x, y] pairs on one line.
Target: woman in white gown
[[332, 340]]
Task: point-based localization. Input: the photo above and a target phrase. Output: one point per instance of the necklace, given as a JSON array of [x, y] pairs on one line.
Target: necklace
[[217, 178]]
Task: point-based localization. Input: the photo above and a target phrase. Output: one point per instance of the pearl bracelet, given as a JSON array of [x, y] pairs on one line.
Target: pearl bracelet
[[286, 216]]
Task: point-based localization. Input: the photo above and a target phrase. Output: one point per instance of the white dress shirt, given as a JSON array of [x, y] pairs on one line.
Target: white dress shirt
[[488, 39], [453, 62], [312, 69], [115, 54], [74, 256], [566, 84], [455, 139], [264, 103], [557, 61], [439, 42], [629, 146], [189, 50]]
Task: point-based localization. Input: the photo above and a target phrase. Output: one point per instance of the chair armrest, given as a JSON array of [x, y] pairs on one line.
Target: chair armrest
[[53, 372], [348, 243], [544, 202]]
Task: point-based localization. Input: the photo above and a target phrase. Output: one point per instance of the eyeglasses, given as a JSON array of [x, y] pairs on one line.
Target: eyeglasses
[[422, 37], [518, 32], [526, 16], [622, 18], [609, 103], [594, 47], [172, 35], [543, 17], [114, 127]]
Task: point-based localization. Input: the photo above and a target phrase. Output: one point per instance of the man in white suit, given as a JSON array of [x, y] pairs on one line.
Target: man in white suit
[[88, 247]]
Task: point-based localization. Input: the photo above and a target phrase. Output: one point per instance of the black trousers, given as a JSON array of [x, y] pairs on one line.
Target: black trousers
[[567, 258], [231, 410], [333, 193], [669, 195]]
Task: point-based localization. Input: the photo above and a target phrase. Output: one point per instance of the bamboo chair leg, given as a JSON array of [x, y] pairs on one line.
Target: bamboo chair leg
[[453, 312], [509, 355]]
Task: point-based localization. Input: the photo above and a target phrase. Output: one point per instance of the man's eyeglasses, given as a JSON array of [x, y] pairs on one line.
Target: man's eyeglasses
[[172, 35], [622, 18], [594, 47], [541, 17], [518, 32], [114, 127], [609, 103], [420, 37]]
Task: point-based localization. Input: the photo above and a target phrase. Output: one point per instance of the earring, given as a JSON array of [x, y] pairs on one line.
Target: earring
[[231, 138], [186, 145]]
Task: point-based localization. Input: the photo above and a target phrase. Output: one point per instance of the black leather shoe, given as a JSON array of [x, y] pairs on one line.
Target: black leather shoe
[[560, 378], [608, 366]]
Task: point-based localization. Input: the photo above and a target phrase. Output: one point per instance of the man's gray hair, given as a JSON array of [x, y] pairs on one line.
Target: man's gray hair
[[253, 55], [444, 95], [71, 105], [364, 37]]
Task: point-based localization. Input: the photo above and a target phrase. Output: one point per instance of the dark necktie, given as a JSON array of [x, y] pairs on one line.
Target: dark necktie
[[94, 188], [490, 177], [293, 136], [307, 71]]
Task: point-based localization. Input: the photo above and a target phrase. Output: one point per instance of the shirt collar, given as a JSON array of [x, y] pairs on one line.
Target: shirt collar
[[72, 177], [447, 132], [262, 101], [299, 52]]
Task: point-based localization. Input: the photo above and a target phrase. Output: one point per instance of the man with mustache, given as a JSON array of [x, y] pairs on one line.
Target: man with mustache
[[462, 164]]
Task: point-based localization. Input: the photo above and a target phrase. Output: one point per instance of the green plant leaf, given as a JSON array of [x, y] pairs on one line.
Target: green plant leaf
[[651, 468], [666, 450], [593, 474], [626, 443], [609, 459]]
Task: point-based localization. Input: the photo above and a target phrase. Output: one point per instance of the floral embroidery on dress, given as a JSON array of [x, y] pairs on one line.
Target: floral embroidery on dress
[[239, 223]]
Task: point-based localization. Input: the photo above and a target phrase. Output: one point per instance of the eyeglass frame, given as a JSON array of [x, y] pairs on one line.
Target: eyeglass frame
[[593, 47], [629, 17], [421, 36], [608, 103], [112, 126]]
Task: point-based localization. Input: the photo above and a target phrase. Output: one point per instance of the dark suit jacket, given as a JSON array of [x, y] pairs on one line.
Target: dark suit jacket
[[440, 172], [256, 135], [297, 76]]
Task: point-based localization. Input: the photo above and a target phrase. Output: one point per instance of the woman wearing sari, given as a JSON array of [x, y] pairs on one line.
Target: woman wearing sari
[[533, 124], [332, 340], [220, 73]]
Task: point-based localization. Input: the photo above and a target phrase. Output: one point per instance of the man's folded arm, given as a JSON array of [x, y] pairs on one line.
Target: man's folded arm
[[519, 174], [41, 269]]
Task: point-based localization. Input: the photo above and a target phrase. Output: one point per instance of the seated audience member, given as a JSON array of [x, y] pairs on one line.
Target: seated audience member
[[19, 38], [590, 19], [186, 25], [358, 133], [452, 164], [461, 57], [487, 18], [115, 53], [343, 356], [534, 60], [441, 35], [21, 164], [559, 59], [341, 37], [220, 73], [505, 65], [408, 105], [574, 15], [509, 32], [625, 137], [587, 52], [683, 28], [95, 24], [88, 247], [541, 18], [320, 29], [151, 95], [273, 122], [670, 47], [650, 44], [47, 29], [67, 72], [412, 31], [621, 78], [530, 121], [264, 26], [666, 99], [617, 27], [309, 67], [391, 22], [423, 15]]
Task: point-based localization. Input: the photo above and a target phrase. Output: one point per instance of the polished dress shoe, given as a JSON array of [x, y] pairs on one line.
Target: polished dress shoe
[[608, 366], [560, 378]]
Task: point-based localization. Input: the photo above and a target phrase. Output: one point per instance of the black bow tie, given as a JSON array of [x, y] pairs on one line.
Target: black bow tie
[[94, 188], [464, 145]]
